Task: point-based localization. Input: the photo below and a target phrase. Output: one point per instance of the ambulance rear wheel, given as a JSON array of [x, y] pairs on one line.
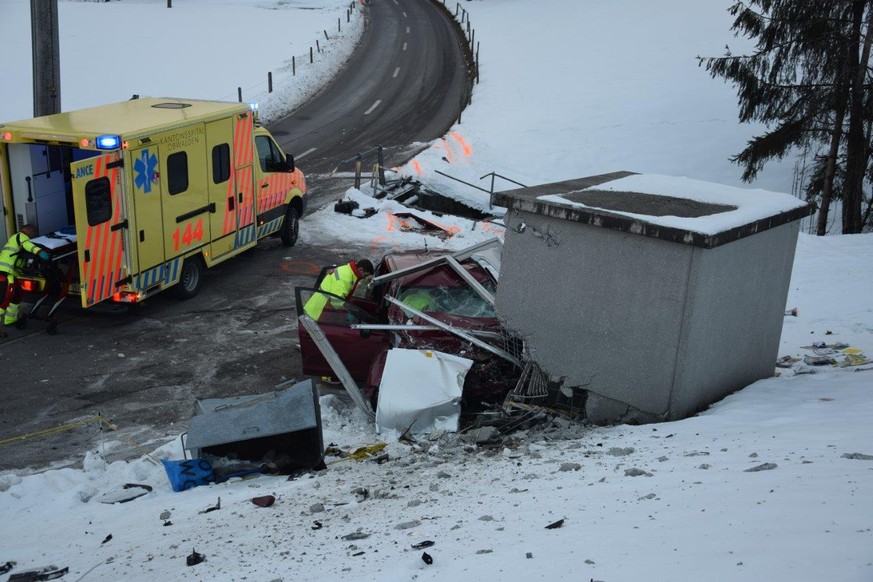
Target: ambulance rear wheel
[[291, 227], [190, 279]]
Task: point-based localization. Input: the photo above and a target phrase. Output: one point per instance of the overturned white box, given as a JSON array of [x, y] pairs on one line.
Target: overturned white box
[[421, 391]]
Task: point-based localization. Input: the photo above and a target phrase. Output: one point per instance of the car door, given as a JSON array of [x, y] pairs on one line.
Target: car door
[[357, 349]]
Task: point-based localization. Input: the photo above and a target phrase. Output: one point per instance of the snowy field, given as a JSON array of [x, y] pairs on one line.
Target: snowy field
[[775, 482]]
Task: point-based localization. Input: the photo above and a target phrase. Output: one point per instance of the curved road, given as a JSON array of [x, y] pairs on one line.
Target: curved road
[[403, 84]]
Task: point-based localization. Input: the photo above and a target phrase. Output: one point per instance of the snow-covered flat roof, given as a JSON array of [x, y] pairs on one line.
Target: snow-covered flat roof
[[673, 208]]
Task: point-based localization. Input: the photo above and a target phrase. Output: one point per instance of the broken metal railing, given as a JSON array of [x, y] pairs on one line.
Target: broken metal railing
[[359, 162], [531, 384], [453, 330], [461, 255], [489, 192], [404, 327]]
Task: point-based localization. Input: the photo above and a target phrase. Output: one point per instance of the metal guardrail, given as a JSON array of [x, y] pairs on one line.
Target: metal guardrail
[[489, 192]]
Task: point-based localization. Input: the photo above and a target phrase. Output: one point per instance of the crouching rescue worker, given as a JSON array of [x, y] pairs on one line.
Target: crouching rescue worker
[[340, 281], [11, 260]]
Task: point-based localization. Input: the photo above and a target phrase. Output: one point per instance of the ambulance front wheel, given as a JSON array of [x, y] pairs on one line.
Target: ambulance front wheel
[[291, 227], [190, 279]]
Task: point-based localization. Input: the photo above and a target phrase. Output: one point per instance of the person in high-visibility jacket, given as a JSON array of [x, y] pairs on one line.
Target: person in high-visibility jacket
[[10, 263], [341, 282]]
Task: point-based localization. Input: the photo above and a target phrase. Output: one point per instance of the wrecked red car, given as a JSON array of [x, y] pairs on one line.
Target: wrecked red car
[[435, 300]]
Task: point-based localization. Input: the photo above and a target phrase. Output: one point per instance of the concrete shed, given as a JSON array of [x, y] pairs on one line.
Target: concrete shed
[[651, 296]]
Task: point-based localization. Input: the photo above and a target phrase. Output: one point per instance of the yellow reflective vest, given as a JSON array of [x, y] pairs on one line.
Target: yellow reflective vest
[[340, 282], [10, 259]]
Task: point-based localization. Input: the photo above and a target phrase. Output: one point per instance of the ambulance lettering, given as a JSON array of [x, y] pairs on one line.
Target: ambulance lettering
[[189, 235], [85, 171]]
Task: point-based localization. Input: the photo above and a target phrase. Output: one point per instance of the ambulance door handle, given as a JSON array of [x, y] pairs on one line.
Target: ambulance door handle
[[231, 202], [265, 185], [142, 236], [240, 197]]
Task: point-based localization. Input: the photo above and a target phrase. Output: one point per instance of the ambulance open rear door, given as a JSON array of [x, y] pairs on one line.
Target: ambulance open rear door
[[100, 226]]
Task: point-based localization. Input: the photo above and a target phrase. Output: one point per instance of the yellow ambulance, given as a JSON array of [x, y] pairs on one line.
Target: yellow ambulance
[[144, 194]]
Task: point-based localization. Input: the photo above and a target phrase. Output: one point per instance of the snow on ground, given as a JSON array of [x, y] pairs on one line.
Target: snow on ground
[[155, 51], [582, 88], [672, 501]]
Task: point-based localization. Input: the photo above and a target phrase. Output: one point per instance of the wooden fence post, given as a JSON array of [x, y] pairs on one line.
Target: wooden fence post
[[270, 82]]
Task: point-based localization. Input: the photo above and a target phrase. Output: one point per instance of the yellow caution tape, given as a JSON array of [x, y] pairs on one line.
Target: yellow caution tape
[[360, 453]]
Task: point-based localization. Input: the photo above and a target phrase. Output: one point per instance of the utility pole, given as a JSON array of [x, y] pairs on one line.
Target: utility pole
[[46, 57]]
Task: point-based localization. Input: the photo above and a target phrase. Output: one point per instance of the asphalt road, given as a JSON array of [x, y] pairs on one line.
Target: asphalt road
[[403, 85], [142, 369]]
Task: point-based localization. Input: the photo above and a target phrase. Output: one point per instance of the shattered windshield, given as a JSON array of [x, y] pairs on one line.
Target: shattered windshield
[[461, 301]]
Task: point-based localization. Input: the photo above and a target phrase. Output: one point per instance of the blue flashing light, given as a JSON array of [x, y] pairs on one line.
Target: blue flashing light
[[108, 142]]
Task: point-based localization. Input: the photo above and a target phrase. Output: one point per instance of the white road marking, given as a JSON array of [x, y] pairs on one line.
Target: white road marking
[[306, 153], [407, 30], [372, 107], [396, 72], [404, 46], [404, 15]]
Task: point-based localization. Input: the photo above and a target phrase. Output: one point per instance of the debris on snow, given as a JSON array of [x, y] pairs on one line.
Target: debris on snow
[[762, 467], [195, 558], [857, 456], [215, 507], [264, 500]]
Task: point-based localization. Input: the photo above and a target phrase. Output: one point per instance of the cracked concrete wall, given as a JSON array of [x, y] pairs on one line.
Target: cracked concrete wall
[[654, 330]]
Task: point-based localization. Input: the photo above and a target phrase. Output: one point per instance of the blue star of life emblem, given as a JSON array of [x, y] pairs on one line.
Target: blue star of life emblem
[[144, 168]]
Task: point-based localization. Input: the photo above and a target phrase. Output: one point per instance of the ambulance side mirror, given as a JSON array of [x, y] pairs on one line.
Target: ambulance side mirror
[[289, 162]]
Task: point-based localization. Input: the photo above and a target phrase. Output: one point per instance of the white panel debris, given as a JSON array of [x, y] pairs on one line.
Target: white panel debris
[[421, 391]]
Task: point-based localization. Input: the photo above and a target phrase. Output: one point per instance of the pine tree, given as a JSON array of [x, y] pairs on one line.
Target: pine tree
[[809, 80]]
